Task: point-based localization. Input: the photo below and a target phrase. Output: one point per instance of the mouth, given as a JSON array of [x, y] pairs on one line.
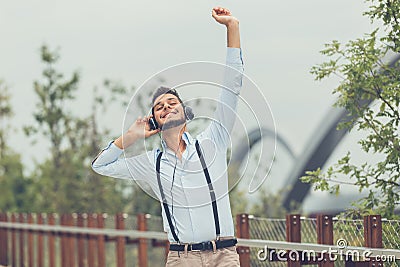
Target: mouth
[[168, 113]]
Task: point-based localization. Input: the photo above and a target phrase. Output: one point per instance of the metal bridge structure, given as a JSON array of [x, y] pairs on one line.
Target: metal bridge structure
[[315, 154]]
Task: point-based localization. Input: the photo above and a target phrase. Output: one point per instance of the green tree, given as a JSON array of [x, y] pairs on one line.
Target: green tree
[[269, 205], [101, 191], [64, 182], [15, 195], [366, 78]]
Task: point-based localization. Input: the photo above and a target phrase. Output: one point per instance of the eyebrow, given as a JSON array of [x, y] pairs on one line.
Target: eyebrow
[[170, 98]]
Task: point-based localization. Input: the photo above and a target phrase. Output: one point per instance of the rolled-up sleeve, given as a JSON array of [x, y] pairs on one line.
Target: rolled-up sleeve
[[225, 113], [110, 163]]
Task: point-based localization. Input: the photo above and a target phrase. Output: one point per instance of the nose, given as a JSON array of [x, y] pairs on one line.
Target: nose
[[167, 106]]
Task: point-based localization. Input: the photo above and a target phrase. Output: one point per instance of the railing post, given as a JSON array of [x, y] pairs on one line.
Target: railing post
[[101, 251], [325, 236], [373, 234], [3, 241], [21, 241], [92, 221], [40, 251], [71, 240], [142, 226], [51, 241], [293, 234], [81, 240], [13, 242], [30, 241], [119, 225], [63, 246], [243, 231]]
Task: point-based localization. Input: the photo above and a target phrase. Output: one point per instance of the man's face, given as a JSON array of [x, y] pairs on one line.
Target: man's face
[[168, 111]]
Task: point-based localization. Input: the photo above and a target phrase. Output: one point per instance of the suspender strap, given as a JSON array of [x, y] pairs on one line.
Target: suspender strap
[[164, 200], [211, 190]]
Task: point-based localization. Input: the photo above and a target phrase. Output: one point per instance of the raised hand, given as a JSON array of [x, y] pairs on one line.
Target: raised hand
[[141, 128], [138, 130], [223, 16]]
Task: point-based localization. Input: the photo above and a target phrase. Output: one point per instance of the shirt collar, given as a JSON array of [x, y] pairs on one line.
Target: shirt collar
[[186, 137]]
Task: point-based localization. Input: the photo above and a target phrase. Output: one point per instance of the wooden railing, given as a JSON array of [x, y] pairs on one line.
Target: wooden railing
[[80, 240]]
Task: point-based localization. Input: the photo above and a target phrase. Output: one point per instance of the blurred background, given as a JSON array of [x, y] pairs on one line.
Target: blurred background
[[126, 42]]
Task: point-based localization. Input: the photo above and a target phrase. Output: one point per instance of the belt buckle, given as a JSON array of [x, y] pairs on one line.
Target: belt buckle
[[203, 246]]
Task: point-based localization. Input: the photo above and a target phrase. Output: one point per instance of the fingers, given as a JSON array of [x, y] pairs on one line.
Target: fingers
[[151, 132], [144, 126], [220, 11], [214, 14], [144, 119]]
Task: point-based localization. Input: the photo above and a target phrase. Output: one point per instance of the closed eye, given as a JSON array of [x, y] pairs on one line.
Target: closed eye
[[170, 101]]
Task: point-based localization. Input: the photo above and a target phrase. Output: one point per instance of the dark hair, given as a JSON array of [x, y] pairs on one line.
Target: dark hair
[[165, 90]]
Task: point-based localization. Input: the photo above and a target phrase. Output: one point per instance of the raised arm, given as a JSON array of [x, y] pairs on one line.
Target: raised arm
[[109, 162], [225, 113], [224, 16], [138, 130]]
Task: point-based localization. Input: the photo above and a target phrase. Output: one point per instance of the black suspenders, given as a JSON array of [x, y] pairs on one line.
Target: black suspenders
[[210, 189], [164, 200]]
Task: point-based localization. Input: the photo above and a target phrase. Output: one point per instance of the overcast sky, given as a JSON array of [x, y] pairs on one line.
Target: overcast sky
[[132, 40]]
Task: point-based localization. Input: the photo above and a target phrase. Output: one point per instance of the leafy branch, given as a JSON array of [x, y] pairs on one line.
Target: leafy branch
[[367, 79]]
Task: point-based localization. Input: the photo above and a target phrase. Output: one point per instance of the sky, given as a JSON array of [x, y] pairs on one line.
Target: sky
[[130, 41]]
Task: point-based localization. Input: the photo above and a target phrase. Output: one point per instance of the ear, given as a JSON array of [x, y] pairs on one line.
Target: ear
[[189, 113]]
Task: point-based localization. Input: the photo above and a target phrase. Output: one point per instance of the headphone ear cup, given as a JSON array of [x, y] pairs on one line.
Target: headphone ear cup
[[189, 113], [153, 124], [152, 121]]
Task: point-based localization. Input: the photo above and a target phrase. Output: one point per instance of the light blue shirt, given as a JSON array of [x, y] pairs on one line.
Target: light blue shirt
[[192, 213]]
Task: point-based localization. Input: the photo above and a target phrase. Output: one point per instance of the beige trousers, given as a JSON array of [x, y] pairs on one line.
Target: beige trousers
[[224, 257]]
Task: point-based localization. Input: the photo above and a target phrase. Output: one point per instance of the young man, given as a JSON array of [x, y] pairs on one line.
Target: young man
[[189, 175]]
